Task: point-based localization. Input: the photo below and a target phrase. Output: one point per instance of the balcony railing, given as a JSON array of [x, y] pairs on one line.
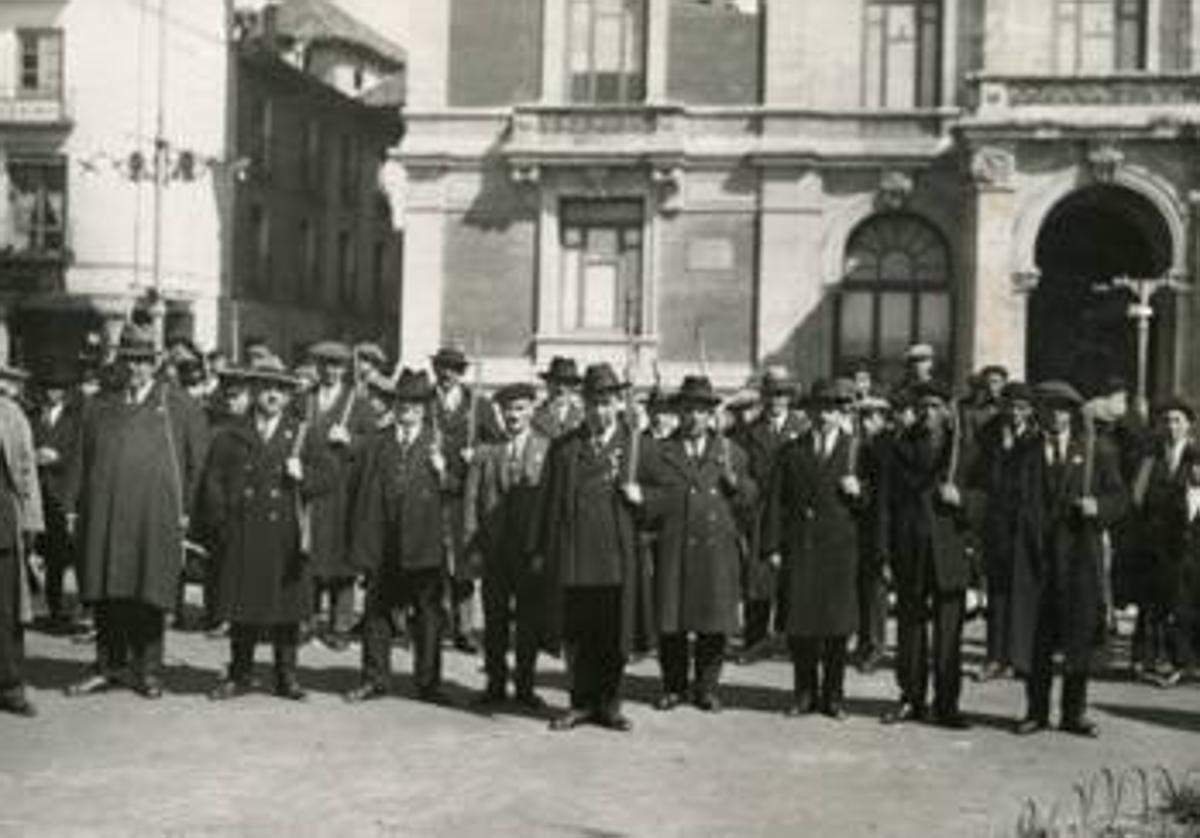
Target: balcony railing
[[33, 107], [1107, 90], [576, 130]]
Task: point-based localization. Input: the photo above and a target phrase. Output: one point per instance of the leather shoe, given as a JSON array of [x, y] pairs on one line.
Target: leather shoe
[[433, 695], [148, 687], [952, 720], [569, 720], [91, 685], [835, 711], [490, 696], [290, 689], [708, 702], [1080, 727], [530, 700], [17, 704], [906, 711], [365, 692], [1029, 726], [616, 720], [229, 688], [668, 701]]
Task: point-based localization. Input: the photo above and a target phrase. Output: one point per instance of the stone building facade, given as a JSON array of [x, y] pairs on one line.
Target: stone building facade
[[802, 182]]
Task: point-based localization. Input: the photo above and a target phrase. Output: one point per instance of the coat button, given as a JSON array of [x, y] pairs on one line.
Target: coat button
[[712, 491], [249, 493], [273, 516], [274, 493]]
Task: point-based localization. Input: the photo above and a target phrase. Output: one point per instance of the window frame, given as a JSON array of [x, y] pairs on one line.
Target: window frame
[[38, 229], [1068, 22], [630, 282], [631, 86], [915, 289], [41, 90], [928, 55]]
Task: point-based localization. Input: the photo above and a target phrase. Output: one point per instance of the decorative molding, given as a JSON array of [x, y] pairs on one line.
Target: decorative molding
[[895, 190], [1104, 159], [668, 179], [524, 173], [993, 167]]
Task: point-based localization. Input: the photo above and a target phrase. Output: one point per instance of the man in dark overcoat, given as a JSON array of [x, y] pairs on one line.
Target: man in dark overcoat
[[870, 410], [561, 410], [811, 528], [132, 483], [262, 471], [21, 521], [501, 495], [1073, 492], [457, 413], [397, 540], [336, 414], [929, 519], [695, 485], [585, 534], [763, 589], [56, 427]]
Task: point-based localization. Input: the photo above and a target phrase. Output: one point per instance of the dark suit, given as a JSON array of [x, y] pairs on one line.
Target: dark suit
[[396, 538], [61, 436], [586, 532], [500, 497]]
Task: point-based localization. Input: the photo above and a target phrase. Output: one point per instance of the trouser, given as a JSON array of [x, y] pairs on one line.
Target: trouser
[[705, 657], [12, 642], [56, 547], [391, 589], [1039, 679], [593, 625], [999, 624], [511, 596], [285, 642], [462, 607], [818, 670], [872, 611], [340, 592], [129, 635], [943, 612], [1185, 617], [756, 616]]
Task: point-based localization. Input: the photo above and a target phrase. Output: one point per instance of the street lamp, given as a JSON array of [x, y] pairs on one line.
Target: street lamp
[[1141, 311]]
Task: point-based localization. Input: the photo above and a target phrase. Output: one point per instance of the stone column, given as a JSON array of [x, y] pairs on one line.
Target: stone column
[[428, 46], [422, 278], [949, 81], [992, 312], [784, 58], [658, 23]]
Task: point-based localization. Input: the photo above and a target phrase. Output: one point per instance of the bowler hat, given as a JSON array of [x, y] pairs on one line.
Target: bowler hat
[[330, 351], [520, 391], [412, 386], [696, 390], [599, 379], [775, 382], [1057, 394], [828, 392], [137, 342], [451, 358], [1017, 391], [562, 370]]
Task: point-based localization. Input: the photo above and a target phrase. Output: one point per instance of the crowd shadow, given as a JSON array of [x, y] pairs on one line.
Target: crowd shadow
[[1169, 717]]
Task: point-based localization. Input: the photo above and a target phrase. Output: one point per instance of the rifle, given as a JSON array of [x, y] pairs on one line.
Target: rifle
[[344, 420], [956, 426], [473, 397], [303, 510]]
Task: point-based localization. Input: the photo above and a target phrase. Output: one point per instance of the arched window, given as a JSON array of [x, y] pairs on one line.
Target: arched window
[[896, 291]]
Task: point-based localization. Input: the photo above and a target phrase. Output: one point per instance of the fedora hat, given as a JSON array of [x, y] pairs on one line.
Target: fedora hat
[[826, 392], [562, 369], [696, 390], [1017, 391], [1058, 394], [775, 382], [600, 379], [268, 370], [520, 391], [137, 342], [449, 357], [412, 386]]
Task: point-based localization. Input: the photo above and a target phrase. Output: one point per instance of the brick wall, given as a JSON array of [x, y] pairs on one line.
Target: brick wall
[[495, 52], [713, 54]]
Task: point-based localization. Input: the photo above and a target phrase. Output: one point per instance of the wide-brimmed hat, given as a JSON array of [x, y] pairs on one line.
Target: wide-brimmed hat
[[519, 391], [872, 402], [562, 370], [696, 390], [829, 392], [330, 352], [270, 371], [600, 379], [919, 352], [776, 382], [1176, 404], [994, 369], [412, 386], [137, 343], [1057, 394], [450, 358], [659, 401], [1017, 391]]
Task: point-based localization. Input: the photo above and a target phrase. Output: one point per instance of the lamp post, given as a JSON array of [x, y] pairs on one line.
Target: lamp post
[[1141, 312]]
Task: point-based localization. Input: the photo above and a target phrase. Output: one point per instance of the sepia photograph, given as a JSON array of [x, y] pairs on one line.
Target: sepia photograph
[[600, 418]]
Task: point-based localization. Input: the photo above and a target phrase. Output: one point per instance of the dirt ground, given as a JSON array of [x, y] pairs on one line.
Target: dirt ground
[[183, 766]]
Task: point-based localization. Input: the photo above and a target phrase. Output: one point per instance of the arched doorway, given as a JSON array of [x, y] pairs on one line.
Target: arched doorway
[[1077, 331]]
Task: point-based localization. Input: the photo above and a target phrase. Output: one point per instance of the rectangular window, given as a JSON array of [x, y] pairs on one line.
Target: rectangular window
[[1176, 35], [1099, 36], [37, 207], [606, 51], [310, 155], [347, 268], [40, 57], [260, 238], [601, 288], [378, 264], [262, 129], [903, 54], [350, 171]]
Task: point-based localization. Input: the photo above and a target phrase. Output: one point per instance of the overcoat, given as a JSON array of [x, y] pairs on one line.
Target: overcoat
[[500, 502], [762, 444], [570, 463], [927, 536], [1160, 524], [397, 521], [694, 505], [261, 576], [132, 480], [813, 524], [63, 437], [547, 420], [21, 495], [329, 512], [1057, 572]]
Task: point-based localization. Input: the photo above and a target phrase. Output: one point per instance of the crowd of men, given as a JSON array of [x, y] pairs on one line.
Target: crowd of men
[[596, 523]]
